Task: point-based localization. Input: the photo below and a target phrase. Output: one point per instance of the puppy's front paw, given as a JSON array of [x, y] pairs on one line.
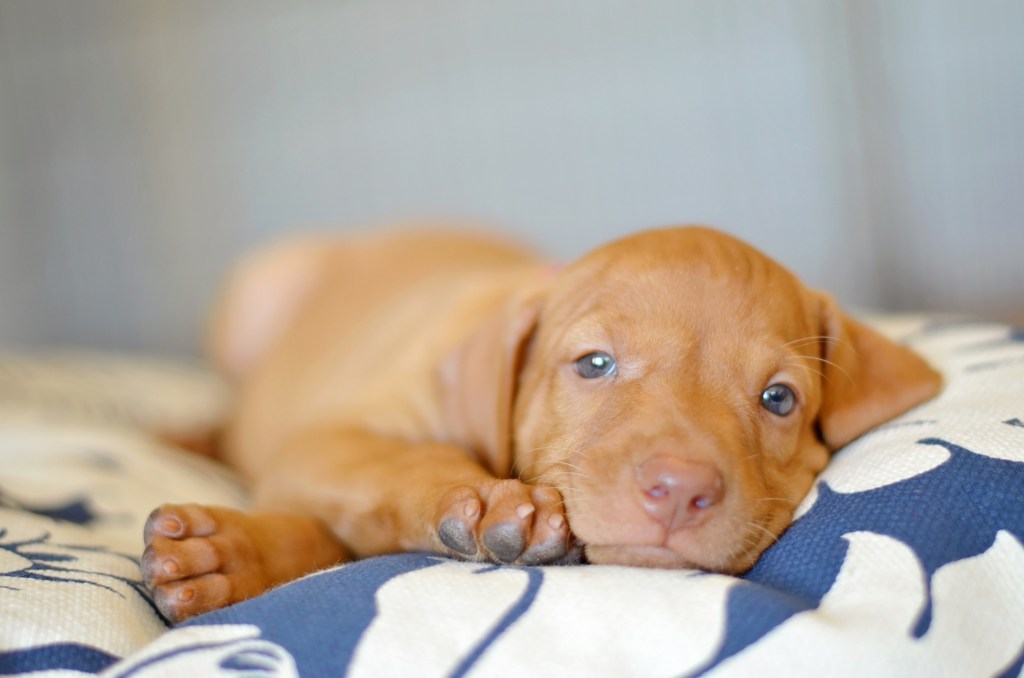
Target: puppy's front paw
[[506, 521], [198, 559]]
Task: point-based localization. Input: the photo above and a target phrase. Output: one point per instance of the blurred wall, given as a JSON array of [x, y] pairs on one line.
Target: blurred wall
[[877, 148]]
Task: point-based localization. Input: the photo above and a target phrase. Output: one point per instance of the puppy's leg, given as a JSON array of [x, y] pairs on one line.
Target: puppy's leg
[[201, 558], [382, 495], [371, 493]]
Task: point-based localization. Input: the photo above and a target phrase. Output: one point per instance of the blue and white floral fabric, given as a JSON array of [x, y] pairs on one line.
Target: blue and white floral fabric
[[78, 476], [907, 559]]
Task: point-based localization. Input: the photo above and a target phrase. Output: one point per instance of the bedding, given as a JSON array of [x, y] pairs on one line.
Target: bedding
[[906, 558]]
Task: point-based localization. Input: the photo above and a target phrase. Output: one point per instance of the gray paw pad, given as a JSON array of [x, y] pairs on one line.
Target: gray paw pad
[[545, 553], [505, 541], [457, 536]]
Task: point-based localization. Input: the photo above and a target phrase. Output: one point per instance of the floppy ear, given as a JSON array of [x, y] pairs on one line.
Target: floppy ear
[[482, 375], [868, 379]]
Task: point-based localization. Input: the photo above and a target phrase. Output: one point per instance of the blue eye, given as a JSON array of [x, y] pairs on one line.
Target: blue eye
[[595, 365], [778, 399]]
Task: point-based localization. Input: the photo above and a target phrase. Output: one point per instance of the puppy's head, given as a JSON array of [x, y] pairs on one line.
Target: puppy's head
[[682, 390]]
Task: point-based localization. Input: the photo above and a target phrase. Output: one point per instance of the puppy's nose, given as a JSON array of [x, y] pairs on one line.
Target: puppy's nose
[[678, 492]]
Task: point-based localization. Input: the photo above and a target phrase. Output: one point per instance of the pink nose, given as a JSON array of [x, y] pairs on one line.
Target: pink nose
[[677, 492]]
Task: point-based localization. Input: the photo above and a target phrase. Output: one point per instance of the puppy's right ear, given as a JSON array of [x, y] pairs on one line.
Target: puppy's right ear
[[481, 377]]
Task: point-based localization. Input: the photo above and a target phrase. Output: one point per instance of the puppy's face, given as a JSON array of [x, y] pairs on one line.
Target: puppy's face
[[676, 391]]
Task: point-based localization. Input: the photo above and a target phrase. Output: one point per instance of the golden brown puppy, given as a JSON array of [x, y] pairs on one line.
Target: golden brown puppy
[[670, 396]]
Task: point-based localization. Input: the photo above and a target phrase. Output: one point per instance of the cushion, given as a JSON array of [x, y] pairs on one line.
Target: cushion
[[78, 477], [905, 559]]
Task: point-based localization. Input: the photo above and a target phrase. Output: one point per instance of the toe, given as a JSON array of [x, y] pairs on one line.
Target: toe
[[543, 552], [177, 521], [164, 522], [460, 512], [505, 540], [550, 534], [183, 599], [166, 560], [505, 529], [457, 535]]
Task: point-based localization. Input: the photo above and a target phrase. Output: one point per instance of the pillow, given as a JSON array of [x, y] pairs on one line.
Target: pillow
[[77, 480], [905, 560], [92, 387]]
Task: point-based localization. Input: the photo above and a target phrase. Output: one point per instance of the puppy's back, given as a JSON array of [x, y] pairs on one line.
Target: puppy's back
[[327, 330]]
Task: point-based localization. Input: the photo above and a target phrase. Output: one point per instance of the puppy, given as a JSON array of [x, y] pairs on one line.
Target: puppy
[[669, 398]]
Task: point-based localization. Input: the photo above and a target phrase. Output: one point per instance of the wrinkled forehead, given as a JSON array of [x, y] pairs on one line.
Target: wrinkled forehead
[[685, 281]]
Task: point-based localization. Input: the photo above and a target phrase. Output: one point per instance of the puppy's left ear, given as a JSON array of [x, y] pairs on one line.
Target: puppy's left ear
[[481, 376], [868, 379]]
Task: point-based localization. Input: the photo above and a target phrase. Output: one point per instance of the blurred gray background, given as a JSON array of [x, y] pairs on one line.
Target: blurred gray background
[[877, 148]]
